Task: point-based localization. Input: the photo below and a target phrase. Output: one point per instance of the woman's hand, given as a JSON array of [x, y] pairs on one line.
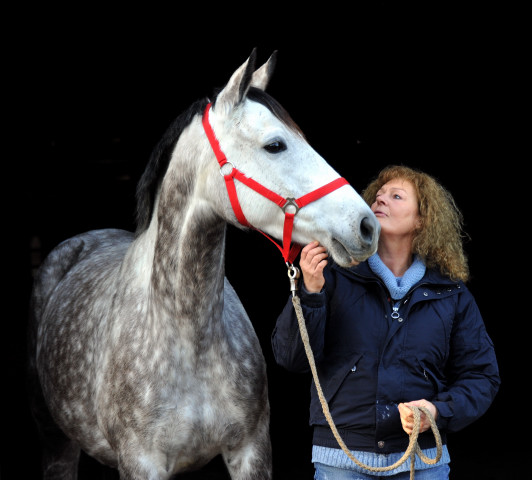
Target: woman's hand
[[407, 416], [312, 262]]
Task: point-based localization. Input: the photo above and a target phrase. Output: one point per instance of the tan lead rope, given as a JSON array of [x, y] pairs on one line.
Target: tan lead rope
[[413, 446]]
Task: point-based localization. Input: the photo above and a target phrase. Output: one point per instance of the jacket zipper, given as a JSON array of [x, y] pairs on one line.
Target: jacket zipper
[[395, 310], [395, 307]]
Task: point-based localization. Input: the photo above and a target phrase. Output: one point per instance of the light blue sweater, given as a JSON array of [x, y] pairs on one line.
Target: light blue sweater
[[397, 286]]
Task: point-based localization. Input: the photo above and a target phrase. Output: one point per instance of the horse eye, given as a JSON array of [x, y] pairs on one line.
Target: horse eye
[[275, 147]]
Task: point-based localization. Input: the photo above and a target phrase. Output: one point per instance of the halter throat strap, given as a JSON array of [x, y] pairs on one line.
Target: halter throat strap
[[230, 173]]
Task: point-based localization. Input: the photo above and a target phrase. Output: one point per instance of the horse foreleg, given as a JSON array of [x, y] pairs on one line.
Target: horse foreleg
[[252, 461], [133, 464], [60, 459], [59, 455]]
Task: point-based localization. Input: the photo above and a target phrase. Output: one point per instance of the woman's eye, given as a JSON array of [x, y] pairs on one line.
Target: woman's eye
[[275, 147]]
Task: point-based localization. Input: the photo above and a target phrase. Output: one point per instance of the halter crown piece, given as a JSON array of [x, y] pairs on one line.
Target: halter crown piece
[[289, 252]]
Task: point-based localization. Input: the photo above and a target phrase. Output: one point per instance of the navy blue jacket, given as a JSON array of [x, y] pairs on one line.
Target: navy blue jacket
[[438, 349]]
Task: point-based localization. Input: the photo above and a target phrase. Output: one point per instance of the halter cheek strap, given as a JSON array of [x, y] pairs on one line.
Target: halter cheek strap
[[289, 252]]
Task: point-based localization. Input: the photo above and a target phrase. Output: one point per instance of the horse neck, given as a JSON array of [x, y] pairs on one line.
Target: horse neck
[[188, 258]]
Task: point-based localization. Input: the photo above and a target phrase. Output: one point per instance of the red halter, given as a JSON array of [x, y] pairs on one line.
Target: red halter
[[289, 253]]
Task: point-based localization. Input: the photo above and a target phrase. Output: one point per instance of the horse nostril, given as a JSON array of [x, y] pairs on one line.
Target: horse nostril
[[367, 229]]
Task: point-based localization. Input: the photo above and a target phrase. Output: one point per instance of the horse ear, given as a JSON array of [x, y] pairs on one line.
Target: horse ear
[[262, 76], [236, 88]]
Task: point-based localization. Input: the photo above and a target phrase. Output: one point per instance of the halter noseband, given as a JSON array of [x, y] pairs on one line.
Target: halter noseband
[[289, 253]]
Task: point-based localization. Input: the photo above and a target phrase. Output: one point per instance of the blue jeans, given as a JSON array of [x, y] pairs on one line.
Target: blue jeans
[[324, 472]]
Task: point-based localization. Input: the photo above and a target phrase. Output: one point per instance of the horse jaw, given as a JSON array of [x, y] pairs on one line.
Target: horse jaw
[[344, 254], [342, 223]]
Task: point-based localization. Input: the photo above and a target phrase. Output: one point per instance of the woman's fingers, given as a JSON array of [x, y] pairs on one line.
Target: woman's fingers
[[312, 262], [312, 254], [407, 418], [407, 415]]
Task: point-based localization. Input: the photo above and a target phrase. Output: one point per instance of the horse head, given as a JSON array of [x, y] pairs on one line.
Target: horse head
[[260, 141]]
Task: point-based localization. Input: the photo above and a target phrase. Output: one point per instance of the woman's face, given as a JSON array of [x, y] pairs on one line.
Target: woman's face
[[396, 207]]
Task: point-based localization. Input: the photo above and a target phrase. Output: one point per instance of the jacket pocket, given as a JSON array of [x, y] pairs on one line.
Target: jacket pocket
[[430, 378], [332, 376]]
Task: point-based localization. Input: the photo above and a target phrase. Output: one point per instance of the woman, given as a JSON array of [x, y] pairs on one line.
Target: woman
[[397, 330]]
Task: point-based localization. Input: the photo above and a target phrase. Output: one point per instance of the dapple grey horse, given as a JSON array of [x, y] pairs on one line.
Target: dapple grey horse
[[141, 353]]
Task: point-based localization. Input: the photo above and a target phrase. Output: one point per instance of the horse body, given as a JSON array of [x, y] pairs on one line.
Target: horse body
[[143, 355]]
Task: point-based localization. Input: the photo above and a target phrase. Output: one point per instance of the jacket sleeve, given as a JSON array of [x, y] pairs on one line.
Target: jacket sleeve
[[288, 348], [472, 373]]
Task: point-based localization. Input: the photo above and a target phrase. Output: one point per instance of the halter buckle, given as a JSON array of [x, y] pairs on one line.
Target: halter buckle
[[290, 202]]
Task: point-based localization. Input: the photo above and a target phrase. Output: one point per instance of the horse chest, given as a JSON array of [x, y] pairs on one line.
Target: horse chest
[[185, 409], [179, 375]]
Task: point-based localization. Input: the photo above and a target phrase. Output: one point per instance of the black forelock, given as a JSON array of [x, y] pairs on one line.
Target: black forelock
[[260, 96]]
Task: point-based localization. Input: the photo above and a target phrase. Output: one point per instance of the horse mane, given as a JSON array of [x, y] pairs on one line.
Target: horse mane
[[153, 175], [155, 171]]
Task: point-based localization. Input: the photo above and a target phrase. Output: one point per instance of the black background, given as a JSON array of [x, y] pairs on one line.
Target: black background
[[90, 91]]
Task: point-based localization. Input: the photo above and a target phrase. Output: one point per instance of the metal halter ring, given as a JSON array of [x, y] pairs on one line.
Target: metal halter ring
[[290, 201], [222, 167]]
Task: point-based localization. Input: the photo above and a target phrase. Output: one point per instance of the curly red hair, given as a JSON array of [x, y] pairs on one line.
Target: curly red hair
[[439, 239]]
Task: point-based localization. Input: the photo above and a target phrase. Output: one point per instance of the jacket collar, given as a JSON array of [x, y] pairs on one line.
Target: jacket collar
[[363, 271]]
